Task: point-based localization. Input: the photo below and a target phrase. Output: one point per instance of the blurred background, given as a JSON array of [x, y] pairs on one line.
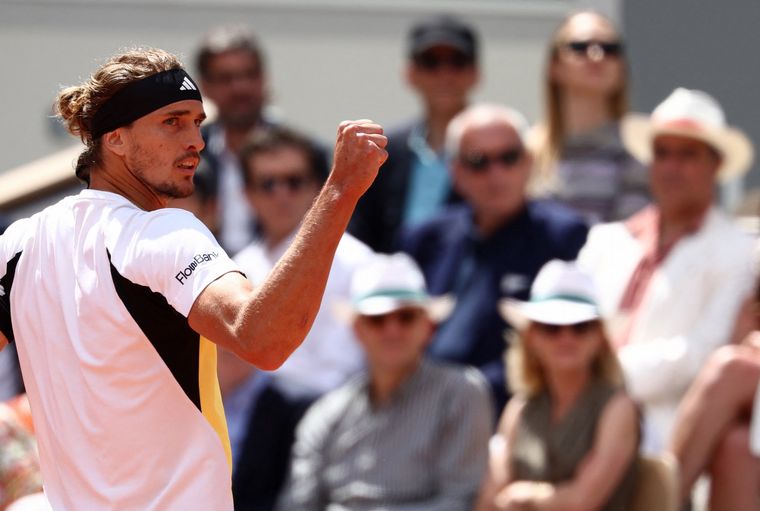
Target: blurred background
[[330, 60]]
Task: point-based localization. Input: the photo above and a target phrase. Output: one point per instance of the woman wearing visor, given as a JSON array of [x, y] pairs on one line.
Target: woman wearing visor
[[568, 438]]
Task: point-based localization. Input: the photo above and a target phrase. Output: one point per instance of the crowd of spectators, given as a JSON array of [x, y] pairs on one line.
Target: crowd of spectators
[[455, 297]]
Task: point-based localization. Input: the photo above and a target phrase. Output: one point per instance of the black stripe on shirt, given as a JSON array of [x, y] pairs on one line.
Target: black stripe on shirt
[[6, 325], [168, 331]]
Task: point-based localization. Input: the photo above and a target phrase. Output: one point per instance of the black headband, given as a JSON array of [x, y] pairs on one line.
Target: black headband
[[143, 97]]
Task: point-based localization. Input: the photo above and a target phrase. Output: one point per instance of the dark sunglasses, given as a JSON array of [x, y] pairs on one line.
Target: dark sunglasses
[[577, 328], [293, 183], [405, 317], [479, 162], [432, 62], [595, 48]]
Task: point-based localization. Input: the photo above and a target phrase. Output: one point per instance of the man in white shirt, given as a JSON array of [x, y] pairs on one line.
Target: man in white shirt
[[112, 298], [673, 277], [282, 179]]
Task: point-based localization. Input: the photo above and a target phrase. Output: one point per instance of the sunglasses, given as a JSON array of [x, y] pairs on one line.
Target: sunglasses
[[479, 162], [433, 62], [404, 317], [577, 328], [595, 49], [293, 183]]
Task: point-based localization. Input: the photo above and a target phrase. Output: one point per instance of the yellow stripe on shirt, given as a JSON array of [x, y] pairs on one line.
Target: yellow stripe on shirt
[[211, 396]]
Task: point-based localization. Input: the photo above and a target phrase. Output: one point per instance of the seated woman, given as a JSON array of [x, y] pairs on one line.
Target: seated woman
[[570, 434], [712, 431]]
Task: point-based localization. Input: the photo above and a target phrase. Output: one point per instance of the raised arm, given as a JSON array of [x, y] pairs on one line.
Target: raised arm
[[265, 325]]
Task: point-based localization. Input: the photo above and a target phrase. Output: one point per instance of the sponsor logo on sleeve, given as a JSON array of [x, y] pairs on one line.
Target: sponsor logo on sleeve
[[183, 275]]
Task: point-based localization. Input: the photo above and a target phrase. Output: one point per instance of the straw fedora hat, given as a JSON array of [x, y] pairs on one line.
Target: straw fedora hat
[[561, 294], [389, 283], [694, 114]]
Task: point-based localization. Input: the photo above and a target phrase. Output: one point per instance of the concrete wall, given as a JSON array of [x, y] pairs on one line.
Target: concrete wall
[[329, 59]]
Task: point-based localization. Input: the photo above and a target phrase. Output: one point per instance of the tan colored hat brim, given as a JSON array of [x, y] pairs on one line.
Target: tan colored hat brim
[[638, 131]]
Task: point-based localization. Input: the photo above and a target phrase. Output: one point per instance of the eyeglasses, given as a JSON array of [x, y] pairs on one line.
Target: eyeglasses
[[595, 50], [480, 162], [404, 317], [432, 62], [577, 328], [293, 184]]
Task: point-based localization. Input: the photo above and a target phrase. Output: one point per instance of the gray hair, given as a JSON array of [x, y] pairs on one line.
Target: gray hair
[[481, 113]]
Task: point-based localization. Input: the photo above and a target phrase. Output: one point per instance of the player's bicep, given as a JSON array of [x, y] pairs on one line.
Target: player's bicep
[[218, 312]]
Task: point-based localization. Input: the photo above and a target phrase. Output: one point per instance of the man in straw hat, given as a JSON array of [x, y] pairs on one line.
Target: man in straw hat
[[673, 276], [410, 433]]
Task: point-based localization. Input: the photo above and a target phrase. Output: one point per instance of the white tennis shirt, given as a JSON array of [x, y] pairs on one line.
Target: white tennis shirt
[[95, 293]]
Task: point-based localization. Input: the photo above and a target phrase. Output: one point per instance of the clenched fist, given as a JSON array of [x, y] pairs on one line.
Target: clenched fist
[[359, 153]]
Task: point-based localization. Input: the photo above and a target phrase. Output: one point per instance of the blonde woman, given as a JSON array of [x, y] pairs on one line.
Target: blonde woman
[[568, 438], [580, 159]]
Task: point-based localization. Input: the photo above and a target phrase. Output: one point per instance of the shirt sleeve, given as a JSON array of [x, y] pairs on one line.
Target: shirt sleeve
[[175, 255]]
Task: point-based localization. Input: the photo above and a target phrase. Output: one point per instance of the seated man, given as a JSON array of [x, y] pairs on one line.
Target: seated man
[[283, 173], [674, 275], [492, 246], [409, 434]]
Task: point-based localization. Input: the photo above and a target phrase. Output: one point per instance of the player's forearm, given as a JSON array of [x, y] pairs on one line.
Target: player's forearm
[[289, 300]]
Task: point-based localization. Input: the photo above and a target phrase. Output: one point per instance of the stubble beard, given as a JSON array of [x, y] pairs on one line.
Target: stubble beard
[[165, 189]]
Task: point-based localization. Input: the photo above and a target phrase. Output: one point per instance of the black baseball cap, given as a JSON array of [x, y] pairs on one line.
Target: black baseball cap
[[443, 30]]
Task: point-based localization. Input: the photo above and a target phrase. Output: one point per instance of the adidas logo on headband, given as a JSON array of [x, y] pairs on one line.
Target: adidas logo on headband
[[187, 85]]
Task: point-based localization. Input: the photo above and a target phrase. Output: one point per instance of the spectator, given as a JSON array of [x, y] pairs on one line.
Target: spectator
[[712, 429], [233, 76], [283, 175], [568, 439], [580, 159], [261, 420], [443, 70], [492, 246], [675, 274], [410, 434]]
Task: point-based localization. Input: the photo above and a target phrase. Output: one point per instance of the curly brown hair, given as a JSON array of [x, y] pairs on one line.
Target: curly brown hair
[[77, 105]]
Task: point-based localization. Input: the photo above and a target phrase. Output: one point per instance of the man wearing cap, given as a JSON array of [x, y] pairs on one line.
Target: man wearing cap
[[410, 434], [443, 70], [115, 301], [673, 276]]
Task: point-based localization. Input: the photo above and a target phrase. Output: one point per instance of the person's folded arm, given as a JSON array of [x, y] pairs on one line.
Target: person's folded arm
[[499, 473], [597, 476]]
